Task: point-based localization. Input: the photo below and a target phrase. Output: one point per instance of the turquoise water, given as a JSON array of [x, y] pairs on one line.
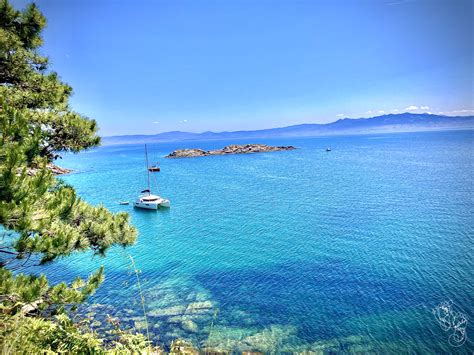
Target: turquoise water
[[289, 251]]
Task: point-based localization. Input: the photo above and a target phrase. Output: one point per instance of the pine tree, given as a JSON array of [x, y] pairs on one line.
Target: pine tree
[[41, 216], [26, 82]]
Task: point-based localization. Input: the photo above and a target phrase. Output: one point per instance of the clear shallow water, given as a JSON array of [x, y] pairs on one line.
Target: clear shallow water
[[290, 251]]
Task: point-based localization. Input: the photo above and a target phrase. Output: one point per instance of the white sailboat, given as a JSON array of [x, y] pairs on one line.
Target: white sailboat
[[146, 199]]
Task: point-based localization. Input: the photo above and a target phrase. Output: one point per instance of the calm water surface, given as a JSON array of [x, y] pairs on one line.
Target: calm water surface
[[289, 251]]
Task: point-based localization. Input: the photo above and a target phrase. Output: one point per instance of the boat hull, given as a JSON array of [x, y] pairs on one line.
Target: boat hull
[[152, 205], [146, 205], [165, 204]]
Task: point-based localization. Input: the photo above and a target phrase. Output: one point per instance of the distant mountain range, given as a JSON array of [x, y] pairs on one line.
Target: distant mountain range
[[402, 122]]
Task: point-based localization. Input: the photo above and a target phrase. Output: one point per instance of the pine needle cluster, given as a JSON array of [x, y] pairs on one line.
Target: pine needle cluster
[[41, 217]]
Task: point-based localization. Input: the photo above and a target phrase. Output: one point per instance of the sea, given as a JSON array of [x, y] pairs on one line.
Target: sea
[[368, 248]]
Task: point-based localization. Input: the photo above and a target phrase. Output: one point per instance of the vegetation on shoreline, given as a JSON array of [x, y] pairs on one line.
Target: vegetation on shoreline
[[41, 217]]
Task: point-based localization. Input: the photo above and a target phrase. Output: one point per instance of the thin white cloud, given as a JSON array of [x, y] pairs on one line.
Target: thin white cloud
[[424, 108], [454, 112], [156, 122], [380, 111], [183, 121], [462, 111], [369, 112], [395, 110], [340, 115], [411, 108]]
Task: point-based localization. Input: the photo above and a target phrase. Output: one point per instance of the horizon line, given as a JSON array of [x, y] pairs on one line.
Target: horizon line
[[293, 125]]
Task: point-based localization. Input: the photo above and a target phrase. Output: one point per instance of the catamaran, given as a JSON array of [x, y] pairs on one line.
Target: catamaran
[[146, 199]]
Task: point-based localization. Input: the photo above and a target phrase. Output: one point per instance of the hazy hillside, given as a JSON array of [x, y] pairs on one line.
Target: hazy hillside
[[403, 122]]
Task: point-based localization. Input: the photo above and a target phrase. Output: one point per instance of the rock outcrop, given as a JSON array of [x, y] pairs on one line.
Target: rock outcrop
[[56, 170], [230, 149]]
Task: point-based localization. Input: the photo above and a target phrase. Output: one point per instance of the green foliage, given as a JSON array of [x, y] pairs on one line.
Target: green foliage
[[59, 334], [182, 347], [28, 335], [42, 217], [29, 294], [47, 214], [25, 82], [130, 343]]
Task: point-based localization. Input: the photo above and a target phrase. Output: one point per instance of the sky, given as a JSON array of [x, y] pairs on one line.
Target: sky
[[144, 67]]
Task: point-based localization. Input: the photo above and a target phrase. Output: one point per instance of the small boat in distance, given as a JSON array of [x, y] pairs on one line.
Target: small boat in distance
[[146, 199], [154, 168], [328, 149], [123, 203]]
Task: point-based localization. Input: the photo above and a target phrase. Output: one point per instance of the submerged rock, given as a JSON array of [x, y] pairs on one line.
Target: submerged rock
[[168, 311], [230, 149], [189, 325], [199, 307]]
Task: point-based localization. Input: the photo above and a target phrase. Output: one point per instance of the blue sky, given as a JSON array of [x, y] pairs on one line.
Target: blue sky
[[197, 65]]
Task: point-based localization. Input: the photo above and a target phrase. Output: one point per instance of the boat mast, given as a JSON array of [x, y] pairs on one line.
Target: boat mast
[[147, 170]]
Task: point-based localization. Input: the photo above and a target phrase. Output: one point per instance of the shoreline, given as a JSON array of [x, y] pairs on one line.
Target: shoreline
[[55, 169]]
